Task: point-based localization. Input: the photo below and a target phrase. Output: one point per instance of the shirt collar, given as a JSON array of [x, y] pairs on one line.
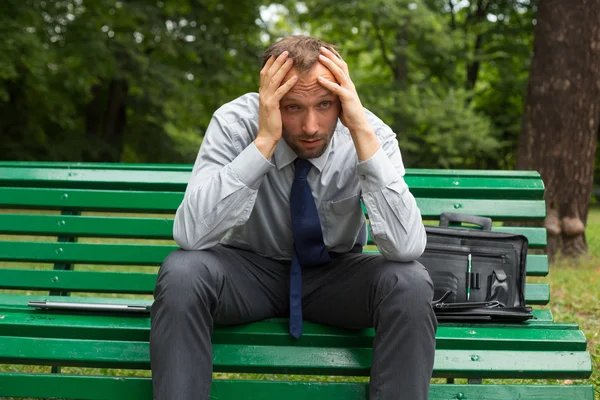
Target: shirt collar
[[284, 155]]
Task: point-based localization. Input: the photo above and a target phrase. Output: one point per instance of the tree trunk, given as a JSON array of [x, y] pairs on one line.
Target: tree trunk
[[115, 119], [560, 122], [473, 66]]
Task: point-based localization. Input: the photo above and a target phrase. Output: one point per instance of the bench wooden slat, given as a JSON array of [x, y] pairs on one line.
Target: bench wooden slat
[[537, 265], [297, 360], [18, 303], [433, 184], [139, 388], [85, 253], [87, 226], [74, 325], [505, 210], [98, 200], [148, 228], [138, 254], [138, 282], [161, 202], [36, 165], [78, 281], [543, 337]]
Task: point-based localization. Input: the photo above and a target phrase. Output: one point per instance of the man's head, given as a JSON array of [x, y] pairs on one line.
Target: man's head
[[309, 112]]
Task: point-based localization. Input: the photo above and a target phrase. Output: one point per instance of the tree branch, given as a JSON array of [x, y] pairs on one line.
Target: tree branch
[[452, 16], [384, 52]]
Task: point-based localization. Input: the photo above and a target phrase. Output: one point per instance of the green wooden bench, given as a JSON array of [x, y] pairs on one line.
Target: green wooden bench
[[101, 230]]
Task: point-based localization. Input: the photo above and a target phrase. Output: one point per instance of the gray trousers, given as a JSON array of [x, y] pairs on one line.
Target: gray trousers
[[198, 289]]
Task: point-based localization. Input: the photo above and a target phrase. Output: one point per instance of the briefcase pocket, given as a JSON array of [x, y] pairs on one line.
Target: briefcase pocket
[[498, 289], [442, 261], [444, 282]]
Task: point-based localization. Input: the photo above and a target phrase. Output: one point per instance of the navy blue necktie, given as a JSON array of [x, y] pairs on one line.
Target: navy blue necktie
[[309, 249]]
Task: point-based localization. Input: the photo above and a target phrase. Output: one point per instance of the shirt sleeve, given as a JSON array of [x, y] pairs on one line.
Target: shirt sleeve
[[396, 224], [222, 189]]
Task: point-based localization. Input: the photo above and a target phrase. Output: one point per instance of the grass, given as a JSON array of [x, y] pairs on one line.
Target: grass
[[575, 298]]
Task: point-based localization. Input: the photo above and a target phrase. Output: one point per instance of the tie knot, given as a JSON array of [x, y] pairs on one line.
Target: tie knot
[[302, 168]]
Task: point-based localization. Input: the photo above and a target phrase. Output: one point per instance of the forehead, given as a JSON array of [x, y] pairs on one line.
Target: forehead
[[308, 87]]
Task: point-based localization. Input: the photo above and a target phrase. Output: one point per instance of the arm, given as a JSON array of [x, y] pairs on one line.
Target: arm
[[396, 224], [225, 180], [221, 191]]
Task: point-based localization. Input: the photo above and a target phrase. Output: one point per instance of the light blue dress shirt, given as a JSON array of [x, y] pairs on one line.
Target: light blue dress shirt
[[237, 197]]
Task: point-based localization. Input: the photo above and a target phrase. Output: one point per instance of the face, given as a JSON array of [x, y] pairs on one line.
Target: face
[[309, 113]]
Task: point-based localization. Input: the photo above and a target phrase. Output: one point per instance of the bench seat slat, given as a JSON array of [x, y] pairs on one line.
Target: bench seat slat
[[528, 336], [9, 302], [298, 360], [139, 282], [140, 388], [138, 254]]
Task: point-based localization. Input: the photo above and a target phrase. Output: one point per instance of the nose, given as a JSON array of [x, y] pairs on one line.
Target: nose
[[310, 124]]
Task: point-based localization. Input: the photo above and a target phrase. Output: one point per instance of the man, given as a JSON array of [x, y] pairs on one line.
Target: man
[[274, 228]]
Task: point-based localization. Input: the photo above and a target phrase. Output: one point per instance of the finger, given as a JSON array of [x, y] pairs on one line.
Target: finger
[[279, 61], [331, 86], [335, 57], [275, 80], [339, 74], [265, 69], [286, 87]]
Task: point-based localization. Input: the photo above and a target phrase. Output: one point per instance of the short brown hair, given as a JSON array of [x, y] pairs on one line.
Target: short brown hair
[[304, 50]]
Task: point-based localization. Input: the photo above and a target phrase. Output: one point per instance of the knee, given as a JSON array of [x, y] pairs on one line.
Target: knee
[[184, 278], [405, 285]]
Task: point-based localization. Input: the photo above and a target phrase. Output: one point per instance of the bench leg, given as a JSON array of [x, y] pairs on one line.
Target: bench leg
[[450, 381]]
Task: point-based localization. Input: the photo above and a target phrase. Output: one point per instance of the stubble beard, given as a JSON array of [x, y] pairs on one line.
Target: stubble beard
[[294, 143]]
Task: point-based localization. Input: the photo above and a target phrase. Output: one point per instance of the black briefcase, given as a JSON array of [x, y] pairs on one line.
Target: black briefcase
[[478, 275]]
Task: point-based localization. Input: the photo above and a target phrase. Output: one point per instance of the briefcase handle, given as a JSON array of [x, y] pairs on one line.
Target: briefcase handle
[[448, 217]]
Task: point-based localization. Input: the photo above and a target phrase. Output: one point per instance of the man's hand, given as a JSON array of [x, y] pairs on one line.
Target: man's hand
[[271, 92], [353, 114]]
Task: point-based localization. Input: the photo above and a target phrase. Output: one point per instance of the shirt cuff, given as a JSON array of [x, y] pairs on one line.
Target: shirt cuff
[[377, 172], [250, 166]]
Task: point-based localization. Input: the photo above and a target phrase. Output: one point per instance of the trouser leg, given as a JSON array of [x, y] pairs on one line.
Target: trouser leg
[[359, 291], [194, 291]]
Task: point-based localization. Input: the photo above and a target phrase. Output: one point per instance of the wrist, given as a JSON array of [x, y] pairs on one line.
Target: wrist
[[265, 145], [365, 142]]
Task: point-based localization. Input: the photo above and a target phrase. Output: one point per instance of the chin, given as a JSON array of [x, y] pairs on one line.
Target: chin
[[316, 153]]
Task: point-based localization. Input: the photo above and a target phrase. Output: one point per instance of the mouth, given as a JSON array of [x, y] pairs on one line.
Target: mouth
[[311, 142]]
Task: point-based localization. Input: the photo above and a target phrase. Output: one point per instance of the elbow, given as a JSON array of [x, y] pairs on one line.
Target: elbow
[[409, 254], [184, 234], [412, 248], [181, 238]]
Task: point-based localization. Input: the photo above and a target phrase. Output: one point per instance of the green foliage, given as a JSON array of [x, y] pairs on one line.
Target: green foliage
[[443, 131], [138, 81], [451, 82], [95, 80]]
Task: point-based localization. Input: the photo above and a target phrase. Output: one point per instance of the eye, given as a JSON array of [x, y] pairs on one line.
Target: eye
[[325, 104], [292, 107]]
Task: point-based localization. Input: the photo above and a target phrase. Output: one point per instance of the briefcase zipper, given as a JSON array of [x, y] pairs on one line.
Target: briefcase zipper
[[464, 250]]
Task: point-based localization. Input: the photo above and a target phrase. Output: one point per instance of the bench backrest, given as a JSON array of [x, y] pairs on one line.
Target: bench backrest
[[60, 221]]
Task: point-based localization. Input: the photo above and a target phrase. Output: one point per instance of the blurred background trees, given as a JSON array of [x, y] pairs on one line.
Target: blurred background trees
[[138, 80]]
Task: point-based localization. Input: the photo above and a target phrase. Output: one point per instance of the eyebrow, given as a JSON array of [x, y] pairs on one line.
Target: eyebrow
[[295, 99]]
